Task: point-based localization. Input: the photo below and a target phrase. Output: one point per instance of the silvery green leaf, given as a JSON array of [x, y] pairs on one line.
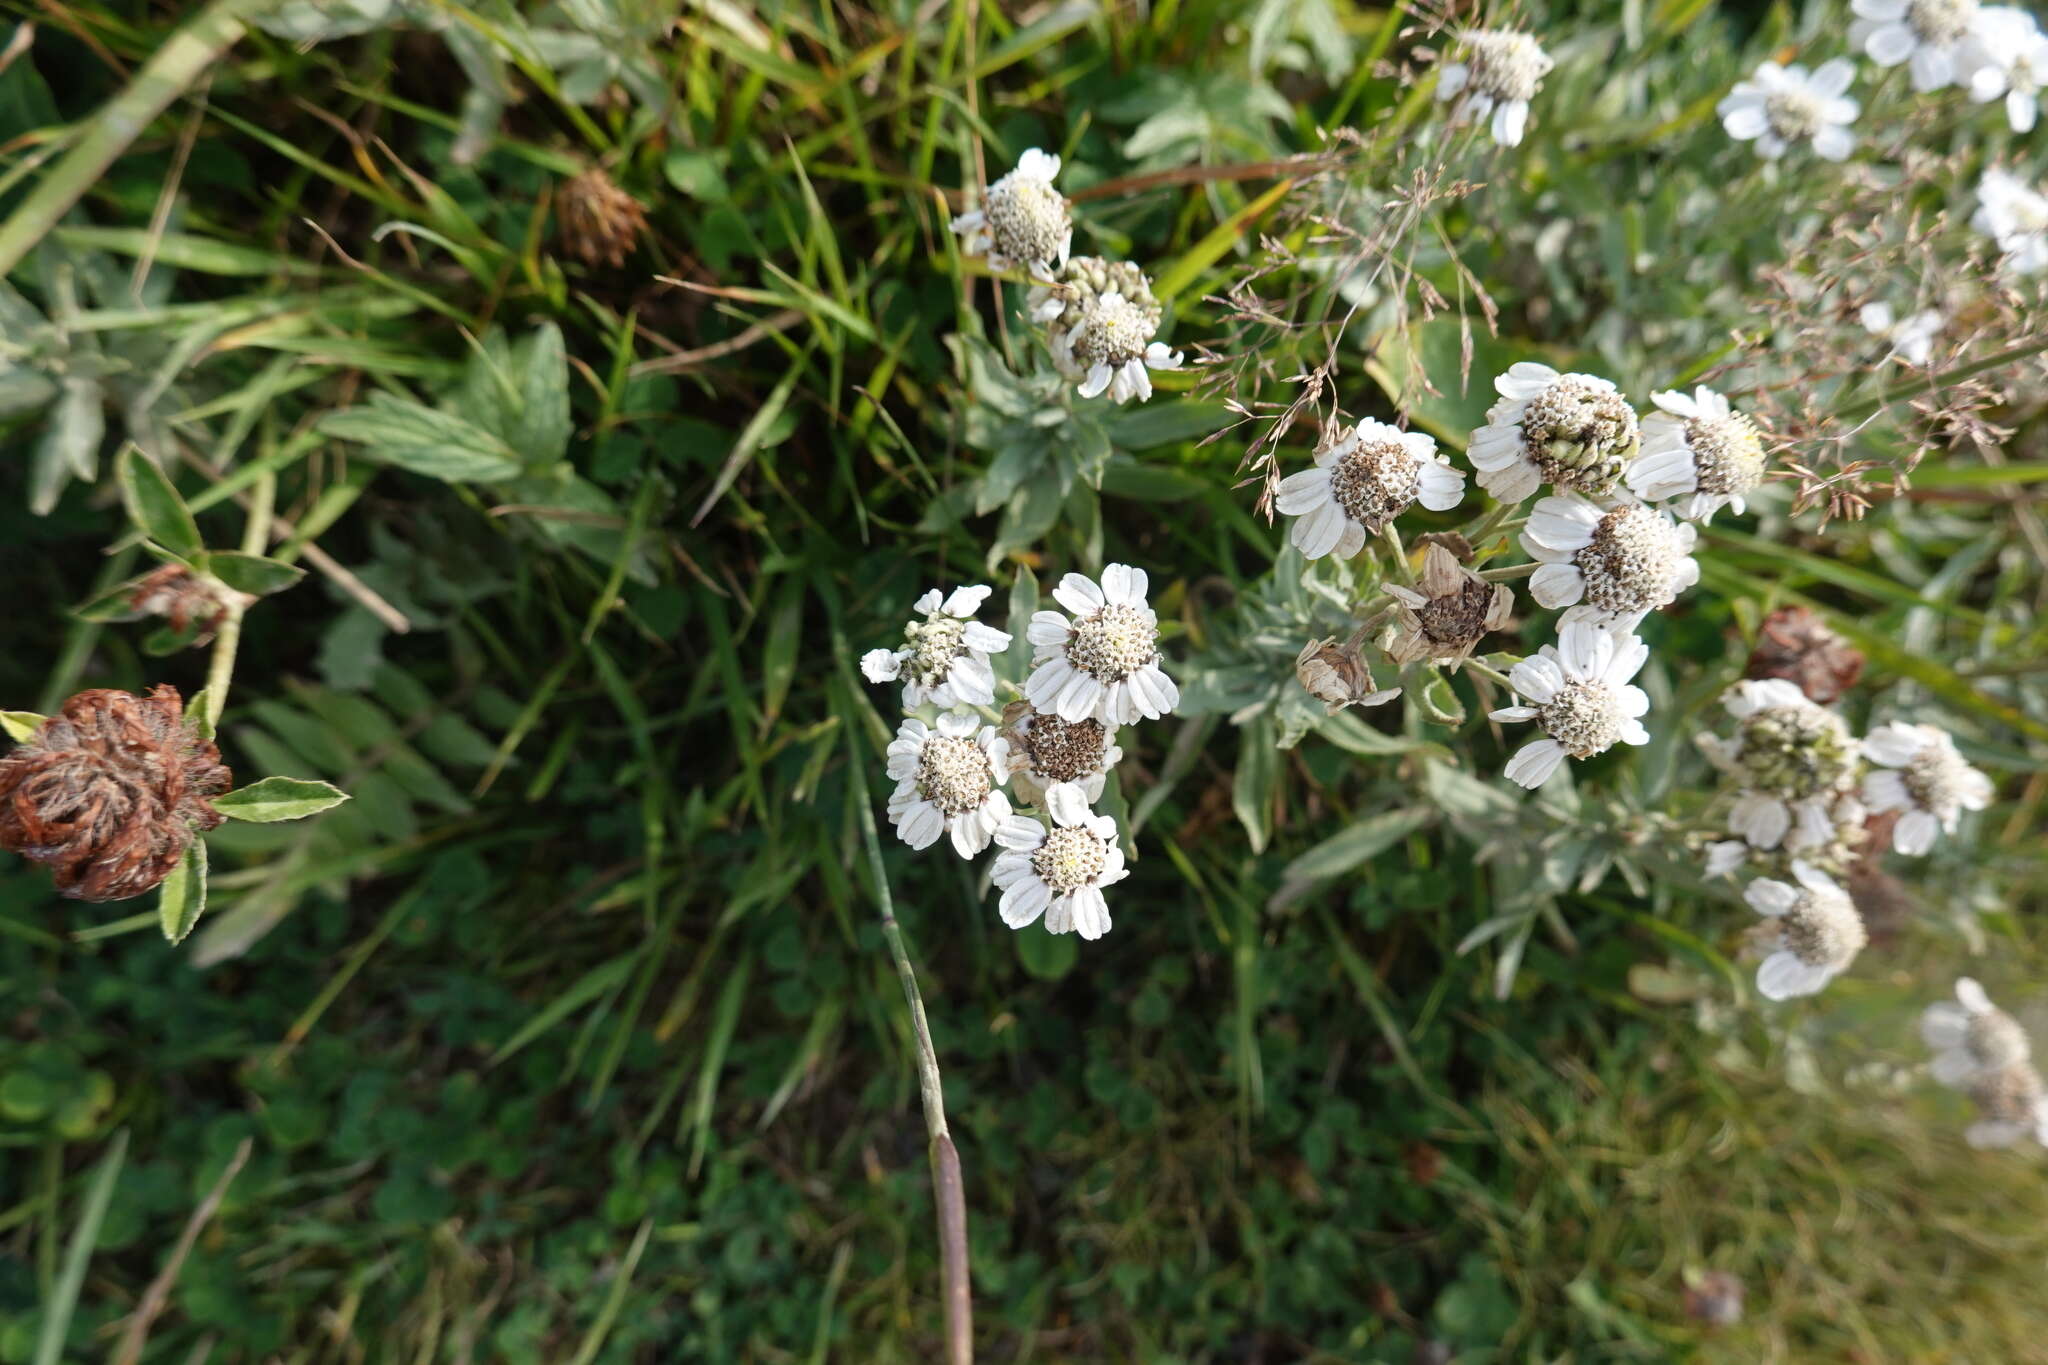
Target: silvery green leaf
[[70, 447], [155, 507], [424, 440], [279, 798], [182, 898]]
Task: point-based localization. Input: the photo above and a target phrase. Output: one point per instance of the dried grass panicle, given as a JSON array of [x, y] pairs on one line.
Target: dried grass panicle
[[110, 792]]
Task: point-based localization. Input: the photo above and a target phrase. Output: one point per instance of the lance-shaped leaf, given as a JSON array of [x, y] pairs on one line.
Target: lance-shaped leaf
[[279, 798], [182, 898], [155, 507], [21, 726], [252, 574], [425, 440]]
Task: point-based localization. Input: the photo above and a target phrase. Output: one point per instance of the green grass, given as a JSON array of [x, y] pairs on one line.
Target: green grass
[[576, 1035]]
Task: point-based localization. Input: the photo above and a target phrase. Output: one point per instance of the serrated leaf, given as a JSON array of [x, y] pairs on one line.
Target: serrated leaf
[[21, 726], [424, 440], [279, 798], [155, 507], [182, 899], [252, 574]]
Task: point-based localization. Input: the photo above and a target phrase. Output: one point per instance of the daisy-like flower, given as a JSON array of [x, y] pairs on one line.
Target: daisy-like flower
[[1579, 692], [1104, 663], [1448, 611], [1100, 318], [1364, 477], [1058, 872], [2015, 216], [1624, 562], [1833, 847], [1023, 222], [2014, 1106], [2006, 54], [944, 658], [1338, 676], [1501, 72], [1699, 449], [1911, 339], [1923, 777], [1792, 761], [1058, 764], [1927, 35], [946, 782], [1816, 932], [1781, 106], [1972, 1037], [1573, 431]]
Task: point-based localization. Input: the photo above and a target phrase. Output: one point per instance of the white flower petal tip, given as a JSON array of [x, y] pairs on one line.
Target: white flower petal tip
[[1104, 664]]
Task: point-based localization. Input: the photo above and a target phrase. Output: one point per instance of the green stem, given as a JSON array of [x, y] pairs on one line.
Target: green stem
[[1490, 672], [948, 1190], [1856, 412], [220, 670], [187, 56]]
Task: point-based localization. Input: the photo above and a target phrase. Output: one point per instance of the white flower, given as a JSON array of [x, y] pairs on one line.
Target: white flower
[[1500, 74], [946, 782], [1925, 34], [1972, 1037], [1448, 611], [1793, 760], [1100, 318], [1024, 222], [1783, 105], [1059, 764], [1923, 777], [1059, 872], [1699, 449], [1623, 562], [2006, 54], [2014, 1107], [944, 658], [1574, 431], [1103, 664], [1579, 692], [1818, 932], [1912, 340], [2016, 217], [1364, 477]]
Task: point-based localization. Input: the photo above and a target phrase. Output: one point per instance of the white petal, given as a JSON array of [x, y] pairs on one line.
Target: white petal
[[1533, 764], [1024, 902], [1303, 492], [1316, 534], [1783, 977], [881, 665], [1066, 803], [1557, 585], [1944, 1026], [1770, 898], [1020, 832], [1079, 595], [1091, 913], [1537, 678], [1972, 996], [1761, 820], [1915, 833]]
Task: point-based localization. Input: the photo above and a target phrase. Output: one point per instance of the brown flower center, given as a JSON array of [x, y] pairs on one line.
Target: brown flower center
[[1064, 750]]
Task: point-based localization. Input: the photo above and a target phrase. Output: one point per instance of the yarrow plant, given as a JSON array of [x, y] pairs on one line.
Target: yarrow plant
[[1498, 73], [1782, 107], [1982, 1051], [1023, 223]]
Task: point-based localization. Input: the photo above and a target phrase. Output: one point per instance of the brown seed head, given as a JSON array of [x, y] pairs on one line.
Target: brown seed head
[[1794, 644], [110, 792], [600, 221]]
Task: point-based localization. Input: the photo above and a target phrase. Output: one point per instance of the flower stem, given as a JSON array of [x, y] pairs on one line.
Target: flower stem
[[1508, 573], [948, 1190], [1484, 529], [1490, 672], [220, 670]]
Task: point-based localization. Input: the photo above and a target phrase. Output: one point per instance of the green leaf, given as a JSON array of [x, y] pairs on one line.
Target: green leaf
[[21, 726], [183, 897], [1348, 848], [1165, 423], [1047, 956], [112, 605], [541, 429], [197, 717], [424, 440], [279, 798], [1258, 773], [155, 507], [252, 574]]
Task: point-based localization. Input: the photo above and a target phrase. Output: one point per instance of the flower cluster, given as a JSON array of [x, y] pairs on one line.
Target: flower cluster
[[1100, 318], [1982, 1051], [1093, 669]]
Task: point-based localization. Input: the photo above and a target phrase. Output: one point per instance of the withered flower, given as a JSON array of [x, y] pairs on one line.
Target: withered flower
[[110, 792], [184, 598], [1796, 645], [600, 221], [1713, 1297], [1448, 612], [1337, 676]]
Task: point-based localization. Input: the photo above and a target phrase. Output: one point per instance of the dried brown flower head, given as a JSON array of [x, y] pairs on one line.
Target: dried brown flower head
[[600, 221], [184, 598], [110, 792], [1337, 676], [1448, 612], [1794, 644]]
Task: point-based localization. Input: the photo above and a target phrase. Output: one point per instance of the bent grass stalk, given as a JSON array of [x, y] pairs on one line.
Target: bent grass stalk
[[949, 1196]]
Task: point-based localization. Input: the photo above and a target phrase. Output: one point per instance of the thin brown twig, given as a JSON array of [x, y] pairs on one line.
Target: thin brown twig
[[159, 1292]]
